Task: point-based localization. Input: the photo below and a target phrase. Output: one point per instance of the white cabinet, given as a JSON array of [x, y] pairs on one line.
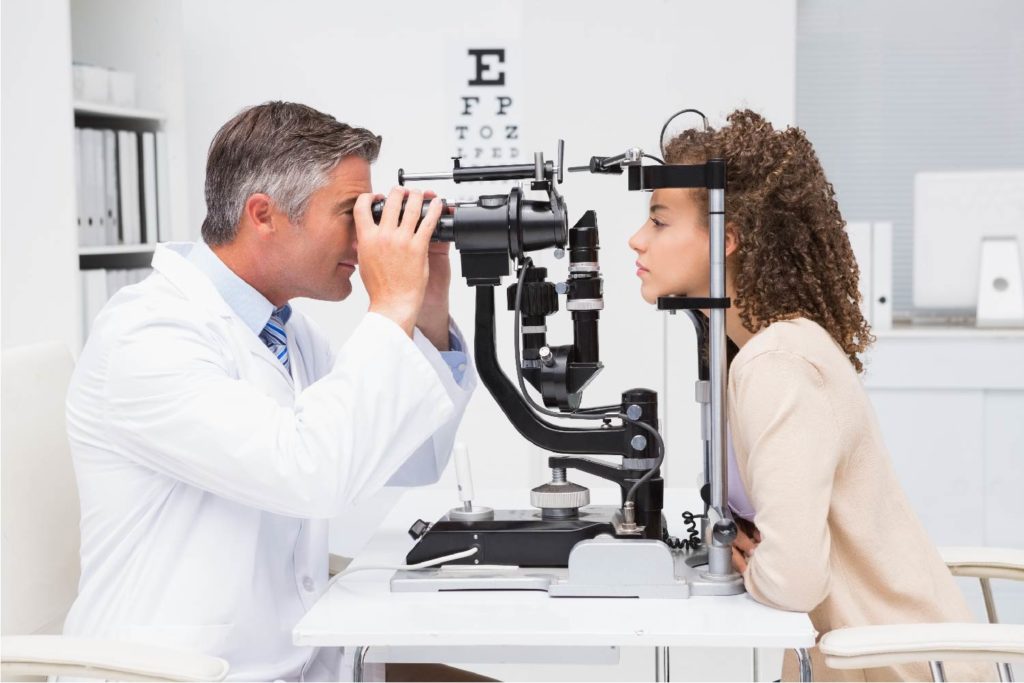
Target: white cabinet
[[951, 407]]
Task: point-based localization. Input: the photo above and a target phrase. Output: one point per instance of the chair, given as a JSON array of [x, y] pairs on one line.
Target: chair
[[872, 646], [40, 518]]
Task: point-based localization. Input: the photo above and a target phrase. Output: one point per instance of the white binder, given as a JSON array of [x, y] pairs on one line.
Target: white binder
[[149, 187], [112, 215]]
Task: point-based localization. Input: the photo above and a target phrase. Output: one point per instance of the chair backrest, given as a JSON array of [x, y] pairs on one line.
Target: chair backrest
[[40, 510]]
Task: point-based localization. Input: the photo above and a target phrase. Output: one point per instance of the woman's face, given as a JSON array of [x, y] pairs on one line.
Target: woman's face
[[672, 247]]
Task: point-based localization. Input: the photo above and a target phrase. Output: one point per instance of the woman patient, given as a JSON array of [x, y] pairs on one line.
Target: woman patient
[[826, 527]]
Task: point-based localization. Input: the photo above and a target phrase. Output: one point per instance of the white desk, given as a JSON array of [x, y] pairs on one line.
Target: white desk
[[360, 612]]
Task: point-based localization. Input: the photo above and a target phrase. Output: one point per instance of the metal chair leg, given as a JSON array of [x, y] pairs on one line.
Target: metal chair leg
[[805, 664], [661, 664], [358, 659], [1005, 672], [938, 671], [990, 605]]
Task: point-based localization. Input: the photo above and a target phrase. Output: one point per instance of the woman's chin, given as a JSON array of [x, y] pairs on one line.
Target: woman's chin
[[648, 295]]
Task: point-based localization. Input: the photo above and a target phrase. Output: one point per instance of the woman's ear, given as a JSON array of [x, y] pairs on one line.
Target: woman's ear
[[732, 239]]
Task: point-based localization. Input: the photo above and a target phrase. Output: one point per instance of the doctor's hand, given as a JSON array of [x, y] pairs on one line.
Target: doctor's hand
[[393, 255], [433, 319], [747, 539]]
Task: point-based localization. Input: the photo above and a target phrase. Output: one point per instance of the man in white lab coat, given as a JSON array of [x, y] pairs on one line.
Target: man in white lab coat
[[213, 430]]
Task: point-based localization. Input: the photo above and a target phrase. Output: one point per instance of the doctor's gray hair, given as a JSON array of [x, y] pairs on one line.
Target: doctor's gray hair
[[283, 149]]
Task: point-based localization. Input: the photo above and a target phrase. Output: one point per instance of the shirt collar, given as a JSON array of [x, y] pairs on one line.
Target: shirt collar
[[248, 304]]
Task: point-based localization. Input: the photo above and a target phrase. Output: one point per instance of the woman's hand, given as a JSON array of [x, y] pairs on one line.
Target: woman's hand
[[747, 539]]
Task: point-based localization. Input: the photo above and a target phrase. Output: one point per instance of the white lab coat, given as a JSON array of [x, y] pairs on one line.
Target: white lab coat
[[207, 474]]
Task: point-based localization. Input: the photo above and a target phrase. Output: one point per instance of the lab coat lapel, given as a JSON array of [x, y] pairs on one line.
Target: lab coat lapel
[[171, 261], [263, 355]]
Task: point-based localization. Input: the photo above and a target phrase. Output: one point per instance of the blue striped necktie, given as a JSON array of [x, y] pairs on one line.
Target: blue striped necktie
[[274, 336]]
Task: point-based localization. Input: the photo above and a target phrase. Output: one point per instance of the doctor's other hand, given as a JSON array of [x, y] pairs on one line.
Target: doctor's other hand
[[393, 254], [747, 539], [433, 319]]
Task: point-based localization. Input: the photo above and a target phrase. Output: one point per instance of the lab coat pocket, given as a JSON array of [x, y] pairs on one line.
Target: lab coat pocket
[[202, 638]]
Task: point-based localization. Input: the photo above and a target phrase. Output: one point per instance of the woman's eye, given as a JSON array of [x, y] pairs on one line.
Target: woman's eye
[[657, 223]]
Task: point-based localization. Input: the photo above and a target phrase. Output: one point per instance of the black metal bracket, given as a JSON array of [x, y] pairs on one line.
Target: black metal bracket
[[679, 303], [710, 176], [552, 437]]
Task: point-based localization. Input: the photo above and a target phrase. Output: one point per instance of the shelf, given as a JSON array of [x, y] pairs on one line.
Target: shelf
[[93, 109], [133, 256], [947, 332], [117, 249]]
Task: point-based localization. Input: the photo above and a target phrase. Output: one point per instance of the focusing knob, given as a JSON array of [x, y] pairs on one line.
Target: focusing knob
[[493, 201], [560, 495], [539, 298]]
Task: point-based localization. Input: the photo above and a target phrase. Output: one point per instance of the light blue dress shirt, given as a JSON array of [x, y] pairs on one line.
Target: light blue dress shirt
[[254, 309]]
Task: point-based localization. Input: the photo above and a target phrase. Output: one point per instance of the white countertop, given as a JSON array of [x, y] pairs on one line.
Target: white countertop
[[359, 609]]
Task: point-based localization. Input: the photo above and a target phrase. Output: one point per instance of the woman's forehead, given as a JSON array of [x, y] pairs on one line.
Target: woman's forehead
[[672, 199]]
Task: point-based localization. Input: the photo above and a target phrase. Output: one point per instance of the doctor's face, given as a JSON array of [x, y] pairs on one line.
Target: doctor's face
[[672, 247], [321, 250]]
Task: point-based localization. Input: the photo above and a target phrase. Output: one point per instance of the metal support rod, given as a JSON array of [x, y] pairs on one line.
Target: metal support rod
[[1005, 672], [938, 671], [805, 664], [436, 175], [719, 555], [358, 659], [755, 665], [990, 605], [661, 664]]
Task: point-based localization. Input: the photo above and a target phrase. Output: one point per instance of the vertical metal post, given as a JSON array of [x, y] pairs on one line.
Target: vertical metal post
[[755, 665], [805, 664], [1005, 672], [719, 555], [938, 671]]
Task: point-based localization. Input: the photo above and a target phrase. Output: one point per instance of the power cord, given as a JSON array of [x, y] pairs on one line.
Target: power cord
[[693, 542], [397, 567]]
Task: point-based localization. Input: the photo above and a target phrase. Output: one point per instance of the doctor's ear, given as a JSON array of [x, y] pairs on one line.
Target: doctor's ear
[[259, 213]]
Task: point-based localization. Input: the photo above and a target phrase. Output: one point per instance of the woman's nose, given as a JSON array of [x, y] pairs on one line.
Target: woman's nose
[[636, 241]]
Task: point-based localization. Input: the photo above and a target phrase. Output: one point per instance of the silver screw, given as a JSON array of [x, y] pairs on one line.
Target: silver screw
[[557, 475], [561, 287], [559, 253], [638, 442], [633, 412], [546, 356]]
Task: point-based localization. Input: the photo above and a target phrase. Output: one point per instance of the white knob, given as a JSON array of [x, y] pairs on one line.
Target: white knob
[[463, 475]]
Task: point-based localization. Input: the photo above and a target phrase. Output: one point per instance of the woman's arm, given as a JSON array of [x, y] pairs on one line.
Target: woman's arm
[[787, 431]]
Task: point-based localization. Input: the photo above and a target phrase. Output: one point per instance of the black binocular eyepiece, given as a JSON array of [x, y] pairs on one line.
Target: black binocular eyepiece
[[445, 230], [496, 223]]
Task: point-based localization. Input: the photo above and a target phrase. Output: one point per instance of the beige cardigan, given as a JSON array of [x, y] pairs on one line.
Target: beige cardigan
[[838, 537]]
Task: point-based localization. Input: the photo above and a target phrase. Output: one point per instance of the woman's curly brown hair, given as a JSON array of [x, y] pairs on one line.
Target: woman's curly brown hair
[[794, 257]]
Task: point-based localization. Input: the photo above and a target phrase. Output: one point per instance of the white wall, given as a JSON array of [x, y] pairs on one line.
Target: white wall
[[604, 75], [39, 238]]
